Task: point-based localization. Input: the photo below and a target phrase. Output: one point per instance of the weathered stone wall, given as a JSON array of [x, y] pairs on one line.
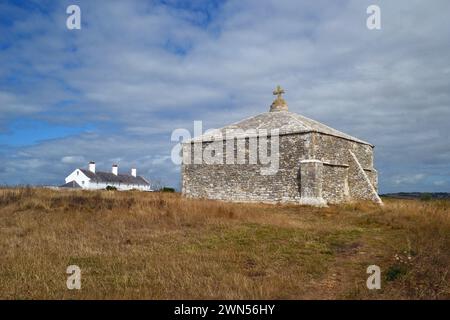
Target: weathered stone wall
[[335, 186], [373, 177], [336, 151], [361, 187], [244, 182], [311, 180]]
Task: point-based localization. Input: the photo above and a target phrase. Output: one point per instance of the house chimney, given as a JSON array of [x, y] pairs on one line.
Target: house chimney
[[92, 166], [133, 172], [115, 169]]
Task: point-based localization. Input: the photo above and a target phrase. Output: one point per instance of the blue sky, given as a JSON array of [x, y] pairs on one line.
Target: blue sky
[[116, 89]]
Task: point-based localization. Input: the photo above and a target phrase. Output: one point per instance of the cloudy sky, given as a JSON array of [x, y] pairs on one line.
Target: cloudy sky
[[116, 89]]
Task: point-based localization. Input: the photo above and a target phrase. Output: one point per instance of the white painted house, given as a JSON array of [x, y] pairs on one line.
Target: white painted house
[[95, 180]]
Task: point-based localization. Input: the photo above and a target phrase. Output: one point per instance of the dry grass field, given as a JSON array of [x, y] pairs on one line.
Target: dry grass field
[[134, 245]]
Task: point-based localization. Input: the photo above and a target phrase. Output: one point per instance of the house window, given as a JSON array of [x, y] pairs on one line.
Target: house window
[[82, 182], [78, 173]]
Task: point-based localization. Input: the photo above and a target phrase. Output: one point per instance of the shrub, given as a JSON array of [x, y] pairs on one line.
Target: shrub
[[426, 196], [167, 189], [111, 188], [395, 272]]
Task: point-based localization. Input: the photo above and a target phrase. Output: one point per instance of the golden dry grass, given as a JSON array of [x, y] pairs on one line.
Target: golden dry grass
[[133, 245]]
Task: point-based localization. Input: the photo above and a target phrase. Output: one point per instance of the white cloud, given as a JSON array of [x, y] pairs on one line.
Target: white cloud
[[408, 179], [73, 159]]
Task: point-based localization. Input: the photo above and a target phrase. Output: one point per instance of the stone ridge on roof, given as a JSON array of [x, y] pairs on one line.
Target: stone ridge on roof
[[287, 122], [100, 176]]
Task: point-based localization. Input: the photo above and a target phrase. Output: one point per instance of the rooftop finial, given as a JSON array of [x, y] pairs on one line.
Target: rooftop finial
[[278, 104], [278, 92]]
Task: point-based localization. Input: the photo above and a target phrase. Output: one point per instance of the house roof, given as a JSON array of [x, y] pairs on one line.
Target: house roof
[[285, 121], [112, 178], [71, 184]]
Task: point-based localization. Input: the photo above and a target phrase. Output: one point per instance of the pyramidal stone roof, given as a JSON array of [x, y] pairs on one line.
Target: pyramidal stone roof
[[277, 118]]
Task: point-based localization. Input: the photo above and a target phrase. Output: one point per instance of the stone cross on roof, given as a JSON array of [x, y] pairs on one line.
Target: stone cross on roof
[[278, 104], [278, 92]]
